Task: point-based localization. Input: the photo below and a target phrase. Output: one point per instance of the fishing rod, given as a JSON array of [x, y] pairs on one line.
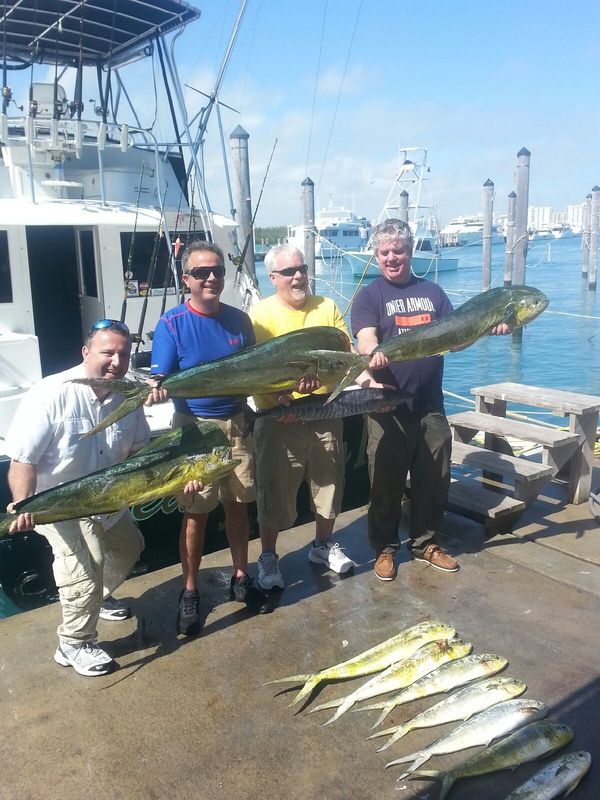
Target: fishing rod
[[172, 260], [152, 270], [129, 272], [239, 261]]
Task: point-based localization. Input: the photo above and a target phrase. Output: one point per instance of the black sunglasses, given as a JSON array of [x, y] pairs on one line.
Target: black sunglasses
[[203, 273], [289, 272], [115, 324]]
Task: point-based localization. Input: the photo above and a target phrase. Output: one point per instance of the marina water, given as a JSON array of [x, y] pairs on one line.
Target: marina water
[[559, 350]]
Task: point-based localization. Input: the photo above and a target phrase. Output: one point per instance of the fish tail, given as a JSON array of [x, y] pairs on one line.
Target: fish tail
[[306, 690], [350, 376], [446, 779], [400, 731], [329, 704], [404, 760], [341, 710], [290, 679], [372, 707], [135, 400], [386, 710]]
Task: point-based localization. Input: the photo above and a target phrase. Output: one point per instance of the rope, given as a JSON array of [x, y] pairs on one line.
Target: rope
[[312, 113]]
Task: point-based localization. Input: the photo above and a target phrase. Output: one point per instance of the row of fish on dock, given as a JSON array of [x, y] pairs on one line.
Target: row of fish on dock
[[165, 466], [427, 659]]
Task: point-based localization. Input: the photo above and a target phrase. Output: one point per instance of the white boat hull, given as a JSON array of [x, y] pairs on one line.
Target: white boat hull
[[423, 265]]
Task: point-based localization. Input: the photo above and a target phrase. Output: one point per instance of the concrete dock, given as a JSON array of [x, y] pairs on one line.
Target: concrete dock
[[190, 718]]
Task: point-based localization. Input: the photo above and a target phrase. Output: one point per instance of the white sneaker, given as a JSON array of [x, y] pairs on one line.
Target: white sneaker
[[332, 555], [269, 576], [86, 659]]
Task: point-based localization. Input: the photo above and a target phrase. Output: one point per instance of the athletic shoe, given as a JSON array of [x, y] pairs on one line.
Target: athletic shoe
[[188, 617], [269, 576], [384, 567], [437, 557], [112, 609], [86, 659], [332, 555], [244, 591]]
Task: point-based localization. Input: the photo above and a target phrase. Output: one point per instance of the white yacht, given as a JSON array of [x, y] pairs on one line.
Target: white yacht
[[338, 229], [465, 231], [562, 230]]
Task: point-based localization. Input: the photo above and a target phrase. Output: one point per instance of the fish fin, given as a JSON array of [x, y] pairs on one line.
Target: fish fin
[[129, 405], [329, 704], [350, 376], [290, 679], [573, 785]]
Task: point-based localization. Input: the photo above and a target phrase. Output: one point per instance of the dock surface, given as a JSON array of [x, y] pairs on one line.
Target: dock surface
[[190, 718]]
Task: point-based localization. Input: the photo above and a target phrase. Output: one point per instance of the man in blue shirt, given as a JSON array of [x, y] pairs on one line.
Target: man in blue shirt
[[204, 329]]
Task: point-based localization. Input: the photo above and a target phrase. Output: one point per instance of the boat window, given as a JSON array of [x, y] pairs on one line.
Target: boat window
[[88, 264], [424, 244], [6, 294], [145, 277], [329, 232]]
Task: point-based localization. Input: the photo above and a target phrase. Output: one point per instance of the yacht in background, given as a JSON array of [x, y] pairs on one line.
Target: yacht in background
[[337, 230], [465, 231]]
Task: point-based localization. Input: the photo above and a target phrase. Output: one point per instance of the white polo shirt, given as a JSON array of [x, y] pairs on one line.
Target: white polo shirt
[[46, 430]]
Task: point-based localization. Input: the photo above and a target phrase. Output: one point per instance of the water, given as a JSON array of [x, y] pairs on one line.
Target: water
[[559, 350]]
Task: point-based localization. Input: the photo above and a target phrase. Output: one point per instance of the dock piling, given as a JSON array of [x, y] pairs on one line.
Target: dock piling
[[308, 226], [509, 252], [585, 239], [595, 226], [488, 210], [522, 205], [238, 142]]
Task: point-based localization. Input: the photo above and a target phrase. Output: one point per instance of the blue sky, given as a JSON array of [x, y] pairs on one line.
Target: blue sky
[[472, 82], [343, 84]]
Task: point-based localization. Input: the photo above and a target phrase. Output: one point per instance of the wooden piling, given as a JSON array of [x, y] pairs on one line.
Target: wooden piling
[[595, 226], [510, 239], [403, 209], [238, 144], [522, 205], [585, 237], [308, 227], [488, 210]]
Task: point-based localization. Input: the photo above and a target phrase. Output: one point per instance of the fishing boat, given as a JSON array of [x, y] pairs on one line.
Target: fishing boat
[[562, 230], [407, 193], [338, 229], [94, 210]]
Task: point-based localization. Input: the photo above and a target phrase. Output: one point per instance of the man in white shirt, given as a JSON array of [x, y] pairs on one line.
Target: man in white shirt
[[93, 555]]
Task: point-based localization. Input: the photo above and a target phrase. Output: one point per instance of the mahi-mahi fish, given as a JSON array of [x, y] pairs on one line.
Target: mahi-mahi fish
[[161, 469], [527, 744], [459, 706], [494, 722], [560, 776], [375, 659], [516, 306], [442, 679], [400, 675], [276, 365]]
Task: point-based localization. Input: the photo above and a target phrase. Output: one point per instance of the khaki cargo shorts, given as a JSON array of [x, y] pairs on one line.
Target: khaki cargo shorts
[[288, 453], [237, 486]]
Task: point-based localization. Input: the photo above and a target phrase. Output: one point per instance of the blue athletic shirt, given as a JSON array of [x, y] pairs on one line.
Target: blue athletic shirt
[[393, 309], [185, 338]]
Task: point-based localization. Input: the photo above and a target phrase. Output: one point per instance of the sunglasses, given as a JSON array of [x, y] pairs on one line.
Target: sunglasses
[[115, 324], [203, 273], [289, 272]]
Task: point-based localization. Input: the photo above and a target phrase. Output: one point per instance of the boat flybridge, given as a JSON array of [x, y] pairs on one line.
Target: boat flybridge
[[94, 204]]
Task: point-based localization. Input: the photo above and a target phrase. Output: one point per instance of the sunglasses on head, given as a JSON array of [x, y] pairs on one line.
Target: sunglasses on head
[[289, 272], [203, 273], [115, 324]]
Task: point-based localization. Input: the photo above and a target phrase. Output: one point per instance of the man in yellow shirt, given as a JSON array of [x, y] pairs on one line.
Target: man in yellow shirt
[[289, 452]]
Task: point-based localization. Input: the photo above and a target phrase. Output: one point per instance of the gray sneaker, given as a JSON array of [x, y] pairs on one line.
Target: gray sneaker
[[86, 659], [114, 610], [269, 575]]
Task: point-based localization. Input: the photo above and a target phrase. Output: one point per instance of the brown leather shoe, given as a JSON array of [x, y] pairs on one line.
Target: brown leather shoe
[[437, 557], [384, 568]]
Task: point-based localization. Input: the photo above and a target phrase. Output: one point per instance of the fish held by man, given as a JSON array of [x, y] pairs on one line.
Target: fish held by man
[[161, 469], [401, 674], [459, 706], [377, 658], [442, 679], [526, 744], [478, 730], [276, 365], [515, 306], [560, 776]]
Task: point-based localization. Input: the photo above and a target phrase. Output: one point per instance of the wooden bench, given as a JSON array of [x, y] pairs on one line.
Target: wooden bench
[[557, 445], [497, 511], [528, 477], [580, 409]]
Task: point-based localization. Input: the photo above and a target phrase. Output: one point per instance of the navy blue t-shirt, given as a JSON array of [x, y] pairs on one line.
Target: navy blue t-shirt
[[185, 338], [392, 309]]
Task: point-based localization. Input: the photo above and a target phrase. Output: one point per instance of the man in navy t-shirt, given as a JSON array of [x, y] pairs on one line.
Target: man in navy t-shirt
[[415, 436], [204, 329]]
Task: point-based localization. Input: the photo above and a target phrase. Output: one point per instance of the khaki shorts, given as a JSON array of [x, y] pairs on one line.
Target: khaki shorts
[[286, 454], [238, 486]]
